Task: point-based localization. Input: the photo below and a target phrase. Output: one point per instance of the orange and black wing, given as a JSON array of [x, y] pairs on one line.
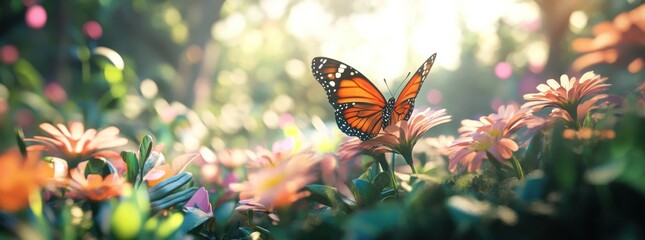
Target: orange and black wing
[[405, 102], [357, 103]]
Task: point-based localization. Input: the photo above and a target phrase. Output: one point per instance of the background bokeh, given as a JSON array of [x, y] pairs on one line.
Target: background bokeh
[[227, 74]]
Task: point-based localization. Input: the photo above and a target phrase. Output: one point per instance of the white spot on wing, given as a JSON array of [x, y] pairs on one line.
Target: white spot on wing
[[332, 83]]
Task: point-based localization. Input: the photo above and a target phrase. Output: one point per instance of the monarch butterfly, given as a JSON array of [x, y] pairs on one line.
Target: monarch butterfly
[[360, 108]]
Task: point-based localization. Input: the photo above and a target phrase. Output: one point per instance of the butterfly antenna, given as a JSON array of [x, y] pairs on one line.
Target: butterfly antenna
[[404, 80], [388, 87]]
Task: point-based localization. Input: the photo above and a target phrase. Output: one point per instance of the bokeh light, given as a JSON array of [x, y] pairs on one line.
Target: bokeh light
[[503, 70], [434, 96], [55, 93], [36, 17], [9, 54], [92, 30]]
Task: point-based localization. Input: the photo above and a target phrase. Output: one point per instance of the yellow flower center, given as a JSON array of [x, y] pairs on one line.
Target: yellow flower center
[[273, 181]]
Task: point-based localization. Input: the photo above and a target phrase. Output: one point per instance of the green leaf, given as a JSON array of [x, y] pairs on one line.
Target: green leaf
[[374, 224], [193, 218], [169, 185], [145, 148], [562, 162], [174, 199], [28, 76], [328, 196], [130, 159], [381, 181], [97, 166], [531, 158], [223, 212], [21, 143], [263, 231], [364, 192]]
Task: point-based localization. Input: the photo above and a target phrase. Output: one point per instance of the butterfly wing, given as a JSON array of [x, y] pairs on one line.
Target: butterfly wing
[[405, 102], [357, 103]]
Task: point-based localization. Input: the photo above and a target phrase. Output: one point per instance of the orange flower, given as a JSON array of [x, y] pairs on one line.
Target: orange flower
[[619, 41], [94, 187], [568, 96], [280, 184], [20, 177], [490, 135], [77, 144]]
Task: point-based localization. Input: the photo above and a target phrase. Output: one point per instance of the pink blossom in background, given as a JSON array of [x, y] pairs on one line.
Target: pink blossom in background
[[496, 102], [93, 30], [285, 119], [503, 70], [9, 54], [55, 93], [434, 96], [36, 17]]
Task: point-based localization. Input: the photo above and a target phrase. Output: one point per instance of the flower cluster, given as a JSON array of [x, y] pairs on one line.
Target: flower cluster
[[490, 136]]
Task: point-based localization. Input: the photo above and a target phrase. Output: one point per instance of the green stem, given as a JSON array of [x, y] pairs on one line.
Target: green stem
[[408, 159], [392, 176], [518, 168]]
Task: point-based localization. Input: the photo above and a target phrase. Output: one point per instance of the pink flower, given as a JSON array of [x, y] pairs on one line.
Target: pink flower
[[200, 200], [76, 144], [279, 184], [490, 135], [568, 96], [402, 136]]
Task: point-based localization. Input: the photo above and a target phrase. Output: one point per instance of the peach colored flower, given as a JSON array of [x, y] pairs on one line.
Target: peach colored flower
[[353, 148], [20, 177], [77, 144], [492, 135], [617, 42], [164, 170], [281, 150], [94, 187], [279, 184], [568, 95], [402, 136]]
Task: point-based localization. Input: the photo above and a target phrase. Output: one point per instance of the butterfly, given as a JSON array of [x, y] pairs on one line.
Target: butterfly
[[360, 108]]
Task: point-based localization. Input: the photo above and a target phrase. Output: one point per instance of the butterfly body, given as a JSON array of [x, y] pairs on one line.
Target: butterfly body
[[359, 107]]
